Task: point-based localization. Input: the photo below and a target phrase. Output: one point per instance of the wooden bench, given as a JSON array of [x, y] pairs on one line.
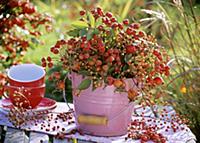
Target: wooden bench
[[13, 135]]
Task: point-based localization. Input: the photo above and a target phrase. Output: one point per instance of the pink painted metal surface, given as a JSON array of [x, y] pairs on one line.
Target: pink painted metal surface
[[102, 102]]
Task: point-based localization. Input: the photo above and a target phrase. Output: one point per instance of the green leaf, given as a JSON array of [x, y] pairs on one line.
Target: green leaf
[[111, 70], [127, 57], [125, 67], [96, 31], [83, 32], [91, 20], [84, 72], [33, 40], [73, 33], [84, 84], [89, 35], [126, 8], [98, 21], [80, 24]]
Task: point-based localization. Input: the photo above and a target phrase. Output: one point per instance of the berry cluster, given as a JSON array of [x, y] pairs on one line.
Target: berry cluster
[[47, 61], [140, 130], [19, 23], [108, 52], [152, 129]]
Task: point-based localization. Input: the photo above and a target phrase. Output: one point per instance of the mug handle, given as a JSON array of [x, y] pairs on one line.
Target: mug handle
[[5, 88]]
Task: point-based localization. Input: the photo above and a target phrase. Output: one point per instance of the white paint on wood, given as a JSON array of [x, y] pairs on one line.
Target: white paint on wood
[[62, 141], [15, 136], [38, 138], [191, 141], [1, 131]]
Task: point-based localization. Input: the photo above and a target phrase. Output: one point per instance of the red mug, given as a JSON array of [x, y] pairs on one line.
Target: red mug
[[26, 75], [26, 97]]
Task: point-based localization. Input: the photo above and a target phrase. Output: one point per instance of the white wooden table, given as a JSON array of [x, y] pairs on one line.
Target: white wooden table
[[13, 135]]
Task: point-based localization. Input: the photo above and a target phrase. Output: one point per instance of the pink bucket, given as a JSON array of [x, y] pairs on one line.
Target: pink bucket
[[115, 107]]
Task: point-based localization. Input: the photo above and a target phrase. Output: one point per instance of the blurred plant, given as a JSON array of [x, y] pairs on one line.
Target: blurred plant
[[19, 30], [180, 27]]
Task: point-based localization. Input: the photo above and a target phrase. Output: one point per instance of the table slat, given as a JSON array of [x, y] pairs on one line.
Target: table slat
[[38, 138], [191, 141], [15, 136], [61, 141], [1, 132]]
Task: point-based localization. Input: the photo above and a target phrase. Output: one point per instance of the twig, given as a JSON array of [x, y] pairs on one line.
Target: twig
[[184, 73]]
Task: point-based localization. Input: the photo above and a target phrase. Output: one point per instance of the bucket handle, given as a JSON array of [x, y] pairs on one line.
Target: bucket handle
[[100, 120]]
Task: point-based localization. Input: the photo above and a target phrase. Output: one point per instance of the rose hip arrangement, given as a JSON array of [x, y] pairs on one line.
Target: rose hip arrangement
[[108, 51]]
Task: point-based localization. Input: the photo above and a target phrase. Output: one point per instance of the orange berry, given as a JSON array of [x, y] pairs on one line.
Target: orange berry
[[99, 62], [91, 63], [132, 93], [61, 85], [117, 83], [158, 80], [105, 67]]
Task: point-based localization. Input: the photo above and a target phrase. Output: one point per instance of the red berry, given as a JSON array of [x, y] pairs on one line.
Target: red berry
[[86, 56], [99, 62], [13, 3], [50, 65], [44, 64], [120, 26], [111, 59], [100, 27], [115, 25], [135, 25], [82, 12], [113, 19], [130, 49], [29, 9], [105, 68], [144, 138], [129, 31], [18, 22], [110, 80], [81, 57], [102, 49], [106, 55], [158, 80], [117, 69], [43, 60], [55, 51], [156, 53], [141, 34], [126, 22], [109, 14], [52, 49], [99, 11], [118, 59], [49, 59], [110, 51]]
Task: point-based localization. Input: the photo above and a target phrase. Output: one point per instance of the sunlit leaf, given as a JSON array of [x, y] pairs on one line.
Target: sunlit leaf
[[89, 34], [83, 32], [84, 84], [127, 57], [91, 20], [80, 24], [126, 8], [84, 72], [73, 33]]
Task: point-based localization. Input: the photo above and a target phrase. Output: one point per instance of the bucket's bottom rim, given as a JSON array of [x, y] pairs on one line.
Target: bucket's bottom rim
[[99, 135]]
